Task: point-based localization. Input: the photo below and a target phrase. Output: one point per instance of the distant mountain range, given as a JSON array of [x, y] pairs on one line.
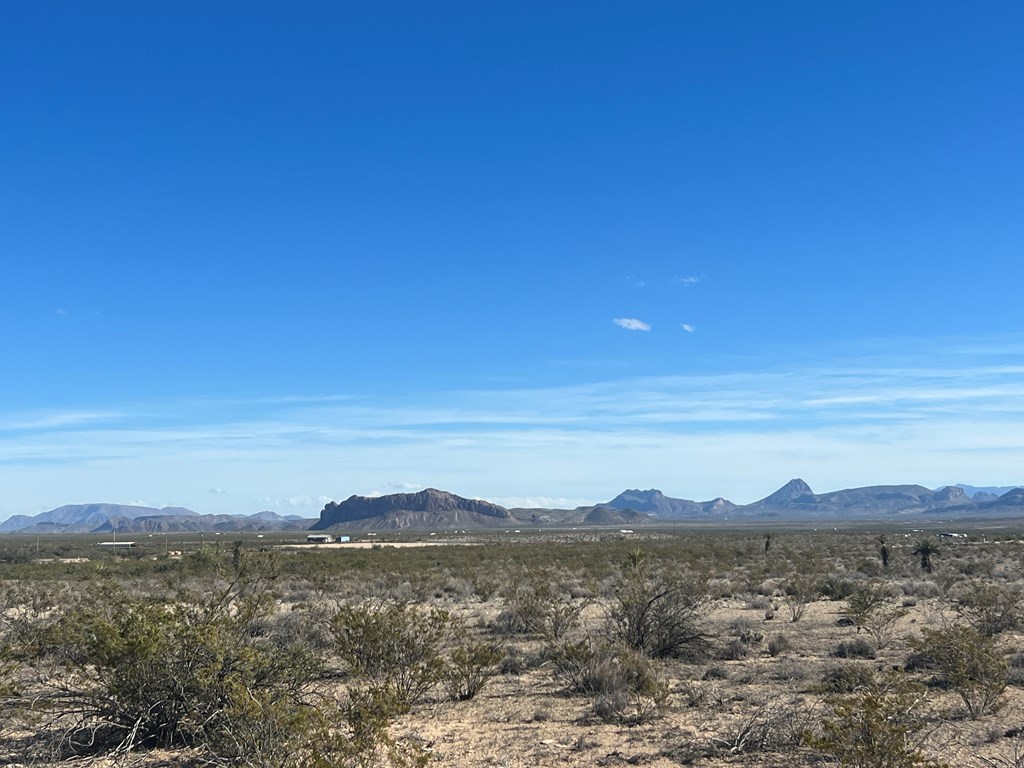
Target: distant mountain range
[[796, 501], [433, 509], [124, 518]]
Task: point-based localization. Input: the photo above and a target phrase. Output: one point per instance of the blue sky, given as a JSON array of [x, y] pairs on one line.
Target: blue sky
[[258, 256]]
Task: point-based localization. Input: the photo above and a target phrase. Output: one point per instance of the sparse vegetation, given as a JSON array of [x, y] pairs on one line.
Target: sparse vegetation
[[381, 657], [969, 662], [882, 726], [926, 549], [659, 615], [394, 647]]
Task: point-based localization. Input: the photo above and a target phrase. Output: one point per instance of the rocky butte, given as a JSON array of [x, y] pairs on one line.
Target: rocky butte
[[426, 509]]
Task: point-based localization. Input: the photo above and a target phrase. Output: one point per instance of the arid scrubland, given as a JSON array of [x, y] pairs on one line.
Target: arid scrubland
[[702, 648]]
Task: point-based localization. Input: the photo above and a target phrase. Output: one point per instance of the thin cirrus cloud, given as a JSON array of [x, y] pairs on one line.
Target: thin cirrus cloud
[[687, 327], [631, 324], [688, 280], [917, 415]]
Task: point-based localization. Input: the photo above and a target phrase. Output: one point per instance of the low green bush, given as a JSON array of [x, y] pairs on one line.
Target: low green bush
[[394, 645], [659, 615], [469, 669], [878, 727], [966, 661], [622, 684]]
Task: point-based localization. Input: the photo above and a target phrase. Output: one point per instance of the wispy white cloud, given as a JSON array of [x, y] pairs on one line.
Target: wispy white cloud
[[543, 502], [687, 280], [631, 324], [687, 327], [404, 486], [927, 417], [55, 419], [217, 490]]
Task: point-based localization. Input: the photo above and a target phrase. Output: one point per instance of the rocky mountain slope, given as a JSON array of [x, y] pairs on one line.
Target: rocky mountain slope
[[83, 518], [432, 509], [659, 505], [125, 518], [796, 500], [261, 521], [424, 510]]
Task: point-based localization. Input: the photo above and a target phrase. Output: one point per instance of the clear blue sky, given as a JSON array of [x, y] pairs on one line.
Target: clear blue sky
[[256, 255]]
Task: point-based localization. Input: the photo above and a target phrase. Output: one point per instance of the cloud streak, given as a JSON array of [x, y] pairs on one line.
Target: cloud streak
[[631, 324], [933, 419]]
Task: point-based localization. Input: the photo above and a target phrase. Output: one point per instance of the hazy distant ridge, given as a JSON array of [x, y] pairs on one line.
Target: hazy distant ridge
[[433, 509]]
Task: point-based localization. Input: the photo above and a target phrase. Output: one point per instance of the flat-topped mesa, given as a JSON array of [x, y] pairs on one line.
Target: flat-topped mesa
[[429, 504]]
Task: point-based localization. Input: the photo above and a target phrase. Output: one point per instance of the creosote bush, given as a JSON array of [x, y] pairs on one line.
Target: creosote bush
[[991, 609], [535, 605], [659, 615], [622, 684], [846, 678], [778, 724], [128, 674], [395, 646], [117, 673], [878, 727], [870, 609], [967, 661], [152, 674], [469, 668], [858, 648]]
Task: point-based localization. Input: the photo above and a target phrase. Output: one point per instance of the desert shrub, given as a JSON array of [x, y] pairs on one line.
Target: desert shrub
[[759, 603], [966, 661], [366, 742], [1015, 675], [778, 645], [469, 668], [9, 685], [733, 650], [778, 724], [863, 600], [746, 631], [658, 615], [835, 587], [622, 684], [846, 678], [869, 608], [920, 588], [858, 648], [134, 674], [878, 727], [535, 606], [721, 587], [800, 592], [485, 586], [989, 608], [395, 646], [355, 735], [715, 672]]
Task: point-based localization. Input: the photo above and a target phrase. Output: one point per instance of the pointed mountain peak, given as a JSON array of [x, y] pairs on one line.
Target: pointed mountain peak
[[791, 491]]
